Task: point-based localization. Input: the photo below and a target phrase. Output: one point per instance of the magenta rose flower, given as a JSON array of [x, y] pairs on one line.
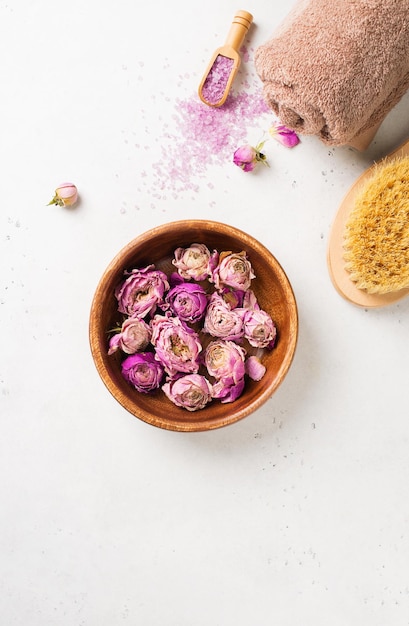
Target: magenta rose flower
[[143, 371], [191, 391], [227, 390], [225, 359], [188, 301], [259, 328], [195, 262], [234, 270], [142, 291], [221, 321], [133, 336], [176, 345], [246, 157]]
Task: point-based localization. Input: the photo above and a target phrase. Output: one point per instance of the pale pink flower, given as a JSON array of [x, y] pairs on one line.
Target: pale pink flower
[[133, 336], [176, 345], [227, 390], [221, 321], [249, 300], [259, 328], [284, 135], [195, 262], [191, 391], [225, 359], [66, 194], [233, 270]]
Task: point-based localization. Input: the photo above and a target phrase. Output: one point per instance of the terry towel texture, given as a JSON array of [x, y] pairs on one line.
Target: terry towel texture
[[336, 68]]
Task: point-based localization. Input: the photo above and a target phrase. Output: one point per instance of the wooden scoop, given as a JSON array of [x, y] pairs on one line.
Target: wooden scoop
[[213, 90], [335, 256]]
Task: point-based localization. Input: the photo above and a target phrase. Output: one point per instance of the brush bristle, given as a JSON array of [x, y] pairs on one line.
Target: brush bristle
[[376, 238]]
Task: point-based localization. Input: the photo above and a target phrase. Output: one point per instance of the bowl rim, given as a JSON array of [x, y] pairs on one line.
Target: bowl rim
[[100, 357]]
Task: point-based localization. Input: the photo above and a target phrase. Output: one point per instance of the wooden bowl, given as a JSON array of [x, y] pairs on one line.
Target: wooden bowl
[[274, 294]]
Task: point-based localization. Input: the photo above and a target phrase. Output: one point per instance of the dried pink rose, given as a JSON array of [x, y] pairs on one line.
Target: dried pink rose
[[230, 315], [234, 270], [188, 301], [176, 345], [143, 371], [250, 300], [254, 368], [221, 321], [66, 194], [259, 328], [225, 359], [284, 135], [142, 291], [233, 297], [191, 391], [133, 336], [246, 157], [227, 390], [195, 262]]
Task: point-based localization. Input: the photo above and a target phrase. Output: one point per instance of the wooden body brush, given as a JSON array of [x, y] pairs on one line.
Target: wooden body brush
[[368, 249]]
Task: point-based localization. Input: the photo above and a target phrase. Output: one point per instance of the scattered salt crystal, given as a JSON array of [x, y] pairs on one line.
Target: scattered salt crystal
[[198, 137], [245, 54]]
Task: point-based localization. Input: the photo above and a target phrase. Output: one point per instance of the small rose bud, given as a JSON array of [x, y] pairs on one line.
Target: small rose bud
[[246, 157], [66, 194]]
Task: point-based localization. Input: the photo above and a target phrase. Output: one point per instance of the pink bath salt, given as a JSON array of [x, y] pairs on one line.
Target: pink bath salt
[[244, 54], [199, 137], [203, 136], [216, 81]]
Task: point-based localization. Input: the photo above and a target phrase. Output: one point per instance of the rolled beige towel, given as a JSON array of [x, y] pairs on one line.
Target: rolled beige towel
[[335, 68]]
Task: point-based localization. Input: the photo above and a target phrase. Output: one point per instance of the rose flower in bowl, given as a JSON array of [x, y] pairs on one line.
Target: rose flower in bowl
[[193, 325]]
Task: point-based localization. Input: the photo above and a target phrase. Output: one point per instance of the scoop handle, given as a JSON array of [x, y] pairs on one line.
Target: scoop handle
[[239, 29]]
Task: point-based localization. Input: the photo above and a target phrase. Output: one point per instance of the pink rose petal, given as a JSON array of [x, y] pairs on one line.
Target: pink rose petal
[[254, 368]]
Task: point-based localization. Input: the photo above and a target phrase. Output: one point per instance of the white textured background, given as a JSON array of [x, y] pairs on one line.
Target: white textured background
[[297, 515]]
